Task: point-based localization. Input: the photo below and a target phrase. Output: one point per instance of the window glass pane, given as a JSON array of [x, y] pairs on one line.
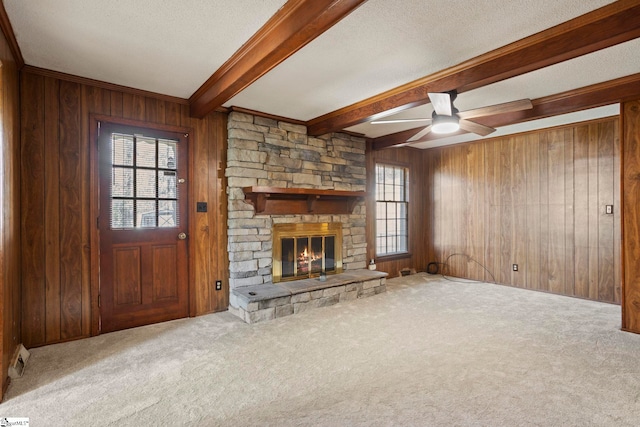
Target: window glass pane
[[167, 154], [122, 182], [145, 183], [381, 227], [391, 211], [380, 247], [391, 244], [121, 213], [146, 213], [122, 150], [399, 176], [402, 227], [402, 211], [402, 244], [405, 186], [388, 192], [391, 227], [167, 184], [146, 152], [167, 214], [388, 174]]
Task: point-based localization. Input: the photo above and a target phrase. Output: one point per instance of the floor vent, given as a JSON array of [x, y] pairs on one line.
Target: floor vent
[[19, 361]]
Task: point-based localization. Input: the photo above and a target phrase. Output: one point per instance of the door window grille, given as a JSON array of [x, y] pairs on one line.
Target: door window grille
[[144, 191]]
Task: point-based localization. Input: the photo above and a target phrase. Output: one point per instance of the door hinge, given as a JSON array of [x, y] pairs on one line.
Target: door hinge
[[98, 222], [99, 302]]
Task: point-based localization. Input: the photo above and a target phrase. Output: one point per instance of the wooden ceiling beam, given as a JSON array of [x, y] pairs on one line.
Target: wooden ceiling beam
[[597, 95], [604, 27], [297, 23]]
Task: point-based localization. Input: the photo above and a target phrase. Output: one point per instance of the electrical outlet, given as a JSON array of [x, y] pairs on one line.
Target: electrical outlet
[[609, 210], [218, 285], [201, 206], [515, 267]]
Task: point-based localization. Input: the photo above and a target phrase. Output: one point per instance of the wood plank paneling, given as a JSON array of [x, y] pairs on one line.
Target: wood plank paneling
[[631, 215], [58, 254], [581, 212], [52, 204], [542, 197], [32, 211], [532, 208], [70, 214], [10, 195]]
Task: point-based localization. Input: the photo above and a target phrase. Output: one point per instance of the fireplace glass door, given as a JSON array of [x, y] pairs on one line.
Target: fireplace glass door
[[308, 256], [306, 250]]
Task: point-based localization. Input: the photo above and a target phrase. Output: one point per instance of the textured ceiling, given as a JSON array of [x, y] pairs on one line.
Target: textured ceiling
[[165, 46], [386, 43], [173, 46]]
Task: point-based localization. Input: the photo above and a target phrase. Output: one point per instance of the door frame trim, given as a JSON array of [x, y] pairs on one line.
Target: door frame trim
[[94, 208]]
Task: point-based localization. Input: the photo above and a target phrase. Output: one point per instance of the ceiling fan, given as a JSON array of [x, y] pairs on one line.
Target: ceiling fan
[[447, 119]]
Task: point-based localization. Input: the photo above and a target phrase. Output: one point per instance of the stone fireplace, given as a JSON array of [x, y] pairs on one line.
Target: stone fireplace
[[267, 153], [306, 250]]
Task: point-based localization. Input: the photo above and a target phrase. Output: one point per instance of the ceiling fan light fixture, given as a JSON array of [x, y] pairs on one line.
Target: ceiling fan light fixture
[[445, 124]]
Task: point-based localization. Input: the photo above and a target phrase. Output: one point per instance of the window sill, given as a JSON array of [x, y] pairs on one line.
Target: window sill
[[393, 257]]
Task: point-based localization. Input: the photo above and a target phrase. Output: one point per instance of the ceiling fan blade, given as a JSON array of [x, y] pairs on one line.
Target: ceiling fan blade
[[441, 103], [507, 107], [420, 134], [384, 122], [476, 128], [404, 144]]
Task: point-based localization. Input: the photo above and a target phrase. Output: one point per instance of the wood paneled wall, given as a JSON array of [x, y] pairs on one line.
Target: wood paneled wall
[[631, 215], [59, 258], [411, 158], [537, 200], [10, 215]]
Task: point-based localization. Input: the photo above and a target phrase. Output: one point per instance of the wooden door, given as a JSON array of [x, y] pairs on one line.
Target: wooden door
[[142, 226]]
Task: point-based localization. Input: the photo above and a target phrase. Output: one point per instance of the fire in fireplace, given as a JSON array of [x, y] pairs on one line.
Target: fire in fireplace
[[306, 250]]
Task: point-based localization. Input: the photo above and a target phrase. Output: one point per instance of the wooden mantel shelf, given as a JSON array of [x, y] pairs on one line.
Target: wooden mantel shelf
[[283, 201]]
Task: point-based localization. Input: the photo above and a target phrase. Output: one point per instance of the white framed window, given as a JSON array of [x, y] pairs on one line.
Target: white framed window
[[392, 209]]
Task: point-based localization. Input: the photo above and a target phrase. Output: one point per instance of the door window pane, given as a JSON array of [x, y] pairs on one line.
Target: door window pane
[[146, 152]]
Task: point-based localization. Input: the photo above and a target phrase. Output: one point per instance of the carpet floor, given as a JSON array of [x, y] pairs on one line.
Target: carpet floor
[[428, 352]]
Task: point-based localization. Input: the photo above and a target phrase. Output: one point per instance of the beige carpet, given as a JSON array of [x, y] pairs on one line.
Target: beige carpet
[[429, 352]]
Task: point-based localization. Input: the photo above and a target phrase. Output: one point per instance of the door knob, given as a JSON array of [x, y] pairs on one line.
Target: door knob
[[182, 236]]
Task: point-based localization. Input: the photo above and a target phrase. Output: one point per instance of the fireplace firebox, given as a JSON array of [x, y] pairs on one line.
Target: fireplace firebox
[[306, 250]]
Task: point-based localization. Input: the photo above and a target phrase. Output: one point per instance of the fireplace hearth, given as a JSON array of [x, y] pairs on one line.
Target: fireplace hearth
[[306, 250]]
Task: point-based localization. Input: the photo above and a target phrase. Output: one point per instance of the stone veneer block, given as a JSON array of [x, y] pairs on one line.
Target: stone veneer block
[[303, 297], [348, 296], [284, 310], [275, 302], [330, 300], [260, 315]]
